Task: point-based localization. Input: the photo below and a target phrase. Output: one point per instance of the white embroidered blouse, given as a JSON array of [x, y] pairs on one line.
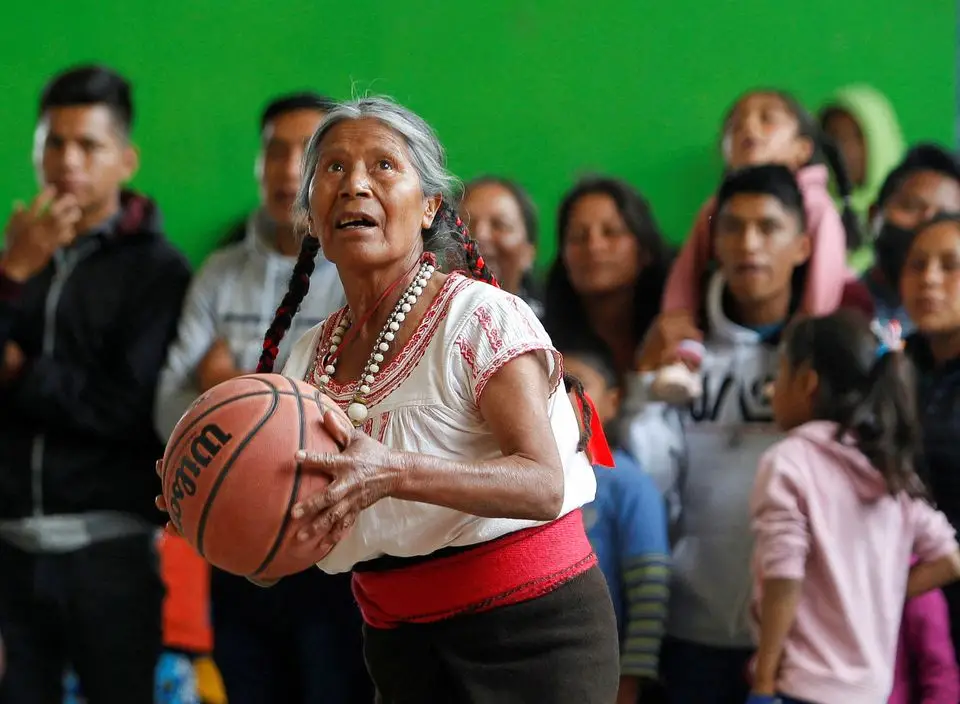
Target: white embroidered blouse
[[425, 400]]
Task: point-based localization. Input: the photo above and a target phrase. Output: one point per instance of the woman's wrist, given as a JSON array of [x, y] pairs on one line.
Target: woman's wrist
[[394, 475]]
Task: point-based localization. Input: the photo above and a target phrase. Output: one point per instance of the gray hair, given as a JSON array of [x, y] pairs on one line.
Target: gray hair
[[447, 237], [426, 152]]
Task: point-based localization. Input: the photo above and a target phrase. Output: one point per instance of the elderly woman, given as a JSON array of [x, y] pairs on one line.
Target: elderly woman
[[456, 497]]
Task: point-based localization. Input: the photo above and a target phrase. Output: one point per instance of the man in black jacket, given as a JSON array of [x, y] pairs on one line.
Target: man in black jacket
[[90, 292]]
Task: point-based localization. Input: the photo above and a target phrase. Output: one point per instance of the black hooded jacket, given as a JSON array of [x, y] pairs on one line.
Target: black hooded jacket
[[939, 415], [75, 425]]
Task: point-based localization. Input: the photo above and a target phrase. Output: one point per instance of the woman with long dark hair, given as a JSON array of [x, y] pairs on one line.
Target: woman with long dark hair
[[607, 280]]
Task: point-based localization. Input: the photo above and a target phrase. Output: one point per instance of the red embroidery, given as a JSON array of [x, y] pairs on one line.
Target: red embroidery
[[382, 429], [482, 314], [398, 369], [469, 356], [498, 362]]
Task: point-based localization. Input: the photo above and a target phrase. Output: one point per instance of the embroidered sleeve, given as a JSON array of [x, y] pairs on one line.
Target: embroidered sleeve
[[496, 331]]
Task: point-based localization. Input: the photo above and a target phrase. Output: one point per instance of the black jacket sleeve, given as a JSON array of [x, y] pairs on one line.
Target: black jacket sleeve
[[116, 398], [10, 291]]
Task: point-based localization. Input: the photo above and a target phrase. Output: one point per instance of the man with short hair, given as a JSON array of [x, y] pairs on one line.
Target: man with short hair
[[760, 241], [299, 641], [233, 297], [89, 295]]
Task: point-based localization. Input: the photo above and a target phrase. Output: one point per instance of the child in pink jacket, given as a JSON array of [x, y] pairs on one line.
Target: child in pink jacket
[[764, 126], [837, 513], [926, 667]]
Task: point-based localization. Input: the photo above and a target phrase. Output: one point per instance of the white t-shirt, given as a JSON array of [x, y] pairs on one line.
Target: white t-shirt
[[426, 400]]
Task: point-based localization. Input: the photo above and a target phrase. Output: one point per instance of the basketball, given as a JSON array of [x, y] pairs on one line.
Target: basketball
[[230, 477]]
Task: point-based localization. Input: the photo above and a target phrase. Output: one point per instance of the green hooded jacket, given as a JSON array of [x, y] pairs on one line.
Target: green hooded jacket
[[884, 149]]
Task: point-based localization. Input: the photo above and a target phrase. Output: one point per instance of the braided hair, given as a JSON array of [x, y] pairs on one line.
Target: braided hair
[[296, 291], [449, 239], [471, 262], [572, 383]]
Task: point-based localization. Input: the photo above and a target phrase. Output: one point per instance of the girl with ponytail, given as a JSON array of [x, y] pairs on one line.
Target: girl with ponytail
[[843, 525], [458, 486], [764, 126]]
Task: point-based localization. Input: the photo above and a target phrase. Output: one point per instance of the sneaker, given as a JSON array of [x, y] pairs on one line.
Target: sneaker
[[676, 384], [680, 382]]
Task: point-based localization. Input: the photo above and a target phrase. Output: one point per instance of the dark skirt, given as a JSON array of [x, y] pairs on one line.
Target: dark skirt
[[559, 648]]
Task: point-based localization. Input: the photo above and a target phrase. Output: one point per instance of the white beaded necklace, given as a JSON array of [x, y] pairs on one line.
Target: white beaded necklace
[[357, 410]]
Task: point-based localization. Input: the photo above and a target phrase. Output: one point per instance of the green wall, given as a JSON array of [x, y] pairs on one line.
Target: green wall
[[541, 91]]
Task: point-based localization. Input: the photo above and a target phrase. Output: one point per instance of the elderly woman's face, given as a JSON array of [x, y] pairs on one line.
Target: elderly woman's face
[[366, 202]]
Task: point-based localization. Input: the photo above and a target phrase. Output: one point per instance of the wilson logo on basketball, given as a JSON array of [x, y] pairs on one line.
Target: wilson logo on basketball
[[200, 453]]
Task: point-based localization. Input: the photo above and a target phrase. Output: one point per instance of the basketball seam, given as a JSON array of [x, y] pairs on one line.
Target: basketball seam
[[228, 465], [172, 444], [285, 524]]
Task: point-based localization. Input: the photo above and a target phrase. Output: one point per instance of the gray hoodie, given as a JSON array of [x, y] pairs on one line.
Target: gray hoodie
[[709, 457], [233, 297]]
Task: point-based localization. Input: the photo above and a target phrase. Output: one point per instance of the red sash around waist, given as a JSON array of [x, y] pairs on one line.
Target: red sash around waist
[[509, 570]]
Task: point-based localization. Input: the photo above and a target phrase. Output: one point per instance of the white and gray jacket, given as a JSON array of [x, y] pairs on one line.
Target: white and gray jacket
[[234, 297], [705, 458]]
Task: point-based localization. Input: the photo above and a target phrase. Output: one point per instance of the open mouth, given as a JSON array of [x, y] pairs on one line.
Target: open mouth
[[355, 222]]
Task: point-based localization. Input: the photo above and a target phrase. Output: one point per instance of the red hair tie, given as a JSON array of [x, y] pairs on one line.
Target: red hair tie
[[598, 449]]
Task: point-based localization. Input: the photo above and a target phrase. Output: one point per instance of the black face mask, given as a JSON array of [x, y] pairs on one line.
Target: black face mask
[[892, 247]]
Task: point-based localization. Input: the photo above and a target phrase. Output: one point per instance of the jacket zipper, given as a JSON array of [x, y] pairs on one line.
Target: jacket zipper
[[62, 267]]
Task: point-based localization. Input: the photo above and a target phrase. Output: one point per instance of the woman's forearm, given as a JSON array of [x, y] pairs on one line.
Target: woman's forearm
[[505, 487]]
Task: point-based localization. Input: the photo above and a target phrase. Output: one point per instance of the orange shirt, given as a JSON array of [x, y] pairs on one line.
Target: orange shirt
[[186, 608]]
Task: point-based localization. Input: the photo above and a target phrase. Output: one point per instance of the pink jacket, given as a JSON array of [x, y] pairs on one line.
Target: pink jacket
[[822, 516], [828, 259], [926, 667]]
